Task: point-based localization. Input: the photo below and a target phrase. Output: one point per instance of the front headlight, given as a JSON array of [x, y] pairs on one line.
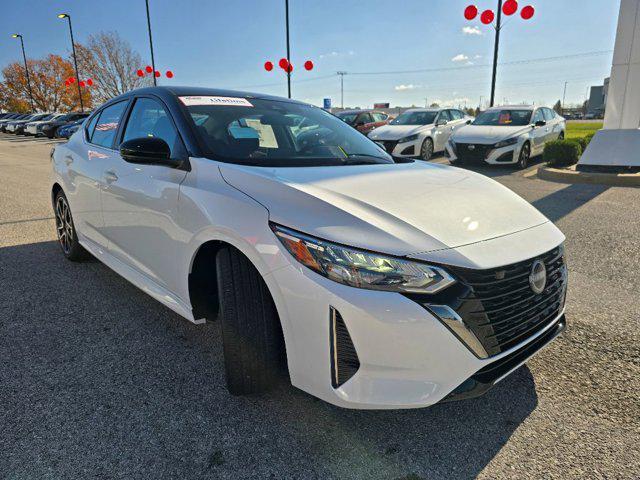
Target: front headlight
[[410, 138], [507, 142], [362, 269]]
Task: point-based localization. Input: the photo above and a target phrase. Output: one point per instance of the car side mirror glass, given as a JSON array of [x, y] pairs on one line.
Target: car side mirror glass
[[148, 151], [540, 123]]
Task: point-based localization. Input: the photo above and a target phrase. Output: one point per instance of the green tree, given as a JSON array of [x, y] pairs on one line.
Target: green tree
[[558, 107]]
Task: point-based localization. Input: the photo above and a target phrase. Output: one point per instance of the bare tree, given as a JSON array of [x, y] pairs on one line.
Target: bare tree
[[112, 64]]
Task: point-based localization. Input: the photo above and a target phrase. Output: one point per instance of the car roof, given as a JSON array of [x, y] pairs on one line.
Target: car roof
[[181, 91], [514, 107], [426, 109]]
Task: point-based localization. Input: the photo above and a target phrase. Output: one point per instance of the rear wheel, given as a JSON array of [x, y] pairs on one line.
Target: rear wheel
[[67, 237], [252, 337], [426, 151], [525, 155]]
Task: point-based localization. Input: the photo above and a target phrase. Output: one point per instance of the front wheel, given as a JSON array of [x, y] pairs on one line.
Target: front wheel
[[252, 338], [561, 136], [426, 151], [525, 155]]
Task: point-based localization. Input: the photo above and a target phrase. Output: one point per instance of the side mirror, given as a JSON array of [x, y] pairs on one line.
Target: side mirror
[[540, 123], [469, 122], [148, 151], [441, 123]]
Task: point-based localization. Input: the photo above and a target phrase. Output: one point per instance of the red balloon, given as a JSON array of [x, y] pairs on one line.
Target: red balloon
[[72, 80], [289, 68], [268, 66], [140, 73], [66, 82], [157, 73], [487, 17], [169, 74], [149, 69], [308, 65], [90, 82], [283, 63], [528, 12], [510, 7], [82, 84], [471, 12]]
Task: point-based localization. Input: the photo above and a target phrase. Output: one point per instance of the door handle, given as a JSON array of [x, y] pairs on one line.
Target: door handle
[[110, 176]]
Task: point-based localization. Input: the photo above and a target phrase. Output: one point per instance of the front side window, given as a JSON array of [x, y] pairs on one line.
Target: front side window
[[364, 118], [150, 119], [456, 114], [444, 116], [379, 117], [415, 118], [348, 118], [107, 125], [549, 114], [276, 133], [504, 118], [538, 117]]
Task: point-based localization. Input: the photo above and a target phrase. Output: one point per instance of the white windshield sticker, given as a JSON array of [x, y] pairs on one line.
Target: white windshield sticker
[[230, 101]]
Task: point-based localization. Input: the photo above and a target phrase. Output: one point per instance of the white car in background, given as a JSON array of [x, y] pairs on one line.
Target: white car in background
[[31, 128], [419, 132], [506, 136]]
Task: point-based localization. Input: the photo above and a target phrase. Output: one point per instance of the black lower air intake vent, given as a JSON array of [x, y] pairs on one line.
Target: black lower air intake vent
[[344, 359]]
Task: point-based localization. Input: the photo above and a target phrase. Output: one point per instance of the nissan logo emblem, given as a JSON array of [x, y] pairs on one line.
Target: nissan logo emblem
[[538, 277], [472, 147]]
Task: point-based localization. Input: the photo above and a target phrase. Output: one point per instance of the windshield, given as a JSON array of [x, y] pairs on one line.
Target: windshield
[[347, 117], [277, 134], [415, 118], [504, 118]]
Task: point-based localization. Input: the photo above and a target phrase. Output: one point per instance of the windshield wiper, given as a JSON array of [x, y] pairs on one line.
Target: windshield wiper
[[363, 159]]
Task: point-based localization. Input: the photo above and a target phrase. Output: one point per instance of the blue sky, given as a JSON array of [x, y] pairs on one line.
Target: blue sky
[[225, 43]]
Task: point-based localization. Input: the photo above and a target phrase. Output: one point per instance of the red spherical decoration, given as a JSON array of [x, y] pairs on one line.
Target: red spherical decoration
[[308, 65], [289, 68], [72, 80], [471, 12], [90, 82], [157, 73], [268, 66], [283, 63], [140, 73], [510, 7], [528, 12], [82, 84], [66, 83], [169, 74], [149, 69], [487, 17]]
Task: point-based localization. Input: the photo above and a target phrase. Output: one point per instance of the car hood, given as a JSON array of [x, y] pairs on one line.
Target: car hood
[[396, 132], [486, 134], [399, 209]]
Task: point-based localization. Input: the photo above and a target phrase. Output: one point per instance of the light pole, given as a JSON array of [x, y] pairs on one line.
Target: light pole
[[153, 61], [564, 96], [496, 49], [342, 74], [75, 60], [286, 8], [26, 69]]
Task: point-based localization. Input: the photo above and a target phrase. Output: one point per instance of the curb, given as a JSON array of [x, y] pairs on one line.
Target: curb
[[572, 176]]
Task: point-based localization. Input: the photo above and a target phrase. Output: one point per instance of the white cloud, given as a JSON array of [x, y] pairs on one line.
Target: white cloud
[[472, 31], [335, 54], [477, 57], [460, 58], [402, 88]]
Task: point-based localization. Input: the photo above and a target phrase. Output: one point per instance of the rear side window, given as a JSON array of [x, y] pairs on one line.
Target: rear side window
[[107, 125]]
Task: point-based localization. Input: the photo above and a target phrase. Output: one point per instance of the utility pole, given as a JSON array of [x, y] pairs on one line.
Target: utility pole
[[496, 48], [26, 70], [286, 6], [153, 61], [564, 96], [426, 102], [75, 60], [342, 74]]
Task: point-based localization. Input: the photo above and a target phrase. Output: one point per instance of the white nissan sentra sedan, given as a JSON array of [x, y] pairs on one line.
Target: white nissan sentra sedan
[[505, 136], [375, 284], [419, 132]]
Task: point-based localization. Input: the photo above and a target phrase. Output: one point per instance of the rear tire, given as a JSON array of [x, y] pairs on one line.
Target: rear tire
[[66, 230], [251, 333]]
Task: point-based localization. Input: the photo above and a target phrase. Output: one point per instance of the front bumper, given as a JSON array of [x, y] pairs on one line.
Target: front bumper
[[403, 150], [482, 154], [407, 358]]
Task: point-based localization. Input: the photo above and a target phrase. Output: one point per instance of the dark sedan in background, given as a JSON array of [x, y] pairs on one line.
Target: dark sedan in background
[[67, 130], [50, 129]]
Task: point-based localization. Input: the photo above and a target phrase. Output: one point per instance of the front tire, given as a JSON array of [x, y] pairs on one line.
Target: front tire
[[66, 231], [251, 333], [426, 151], [525, 155]]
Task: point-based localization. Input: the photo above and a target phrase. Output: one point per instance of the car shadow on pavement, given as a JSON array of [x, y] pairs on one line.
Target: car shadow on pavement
[[99, 378], [562, 202]]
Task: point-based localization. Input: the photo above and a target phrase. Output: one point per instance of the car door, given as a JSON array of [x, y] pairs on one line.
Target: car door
[[364, 123], [443, 130], [553, 124], [85, 162], [139, 201], [540, 133]]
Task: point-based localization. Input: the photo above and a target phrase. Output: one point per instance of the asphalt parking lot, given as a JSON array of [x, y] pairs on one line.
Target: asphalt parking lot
[[97, 380]]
